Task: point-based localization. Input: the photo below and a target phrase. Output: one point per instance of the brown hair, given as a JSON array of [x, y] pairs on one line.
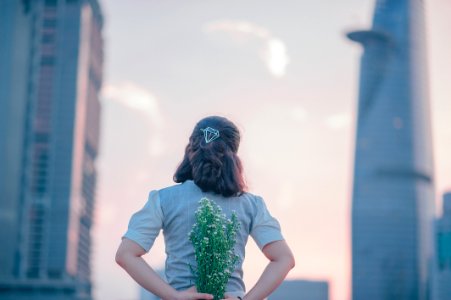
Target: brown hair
[[213, 166]]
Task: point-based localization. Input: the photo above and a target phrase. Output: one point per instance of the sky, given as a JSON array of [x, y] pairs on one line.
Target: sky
[[285, 74]]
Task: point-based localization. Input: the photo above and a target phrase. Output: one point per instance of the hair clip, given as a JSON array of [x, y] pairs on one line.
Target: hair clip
[[210, 134]]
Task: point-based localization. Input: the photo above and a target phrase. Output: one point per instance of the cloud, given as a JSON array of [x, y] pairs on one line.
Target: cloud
[[338, 121], [134, 97], [276, 57], [274, 52], [238, 26], [140, 99]]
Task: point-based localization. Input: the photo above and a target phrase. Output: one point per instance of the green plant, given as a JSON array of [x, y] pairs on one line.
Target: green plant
[[213, 237]]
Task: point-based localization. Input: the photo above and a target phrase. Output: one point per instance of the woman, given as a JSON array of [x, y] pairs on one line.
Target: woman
[[210, 168]]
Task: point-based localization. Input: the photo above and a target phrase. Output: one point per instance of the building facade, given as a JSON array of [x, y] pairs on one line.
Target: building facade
[[51, 57], [442, 269], [393, 188], [301, 289]]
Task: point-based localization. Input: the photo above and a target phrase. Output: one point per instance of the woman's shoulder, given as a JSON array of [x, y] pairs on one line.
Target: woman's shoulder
[[189, 187], [249, 196], [186, 190], [256, 200]]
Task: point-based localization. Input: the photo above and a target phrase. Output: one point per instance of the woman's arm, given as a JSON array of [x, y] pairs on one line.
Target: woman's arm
[[128, 256], [281, 262]]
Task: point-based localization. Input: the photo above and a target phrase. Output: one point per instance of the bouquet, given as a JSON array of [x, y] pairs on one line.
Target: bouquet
[[213, 237]]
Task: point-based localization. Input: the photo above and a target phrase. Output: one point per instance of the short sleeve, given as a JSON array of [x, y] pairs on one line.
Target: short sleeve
[[265, 228], [145, 224]]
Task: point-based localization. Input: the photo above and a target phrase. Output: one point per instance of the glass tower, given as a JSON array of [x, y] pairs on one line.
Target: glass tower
[[442, 271], [393, 189], [51, 56]]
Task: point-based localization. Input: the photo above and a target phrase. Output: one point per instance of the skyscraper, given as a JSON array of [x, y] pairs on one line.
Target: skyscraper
[[301, 289], [50, 76], [393, 192], [442, 269]]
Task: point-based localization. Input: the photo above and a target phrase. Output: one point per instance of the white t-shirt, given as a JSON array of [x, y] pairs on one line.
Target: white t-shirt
[[172, 209]]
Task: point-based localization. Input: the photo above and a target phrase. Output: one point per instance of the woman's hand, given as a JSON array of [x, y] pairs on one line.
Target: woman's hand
[[192, 294], [128, 256], [281, 262]]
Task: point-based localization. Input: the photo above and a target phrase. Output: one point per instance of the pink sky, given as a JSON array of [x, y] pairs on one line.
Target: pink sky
[[286, 76]]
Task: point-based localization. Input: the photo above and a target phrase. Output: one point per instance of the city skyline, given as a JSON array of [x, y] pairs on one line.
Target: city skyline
[[286, 74]]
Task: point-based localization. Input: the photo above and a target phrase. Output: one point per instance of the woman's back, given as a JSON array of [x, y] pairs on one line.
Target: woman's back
[[172, 209], [210, 168]]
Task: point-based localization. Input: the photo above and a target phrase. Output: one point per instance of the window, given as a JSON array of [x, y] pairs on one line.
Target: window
[[51, 3], [48, 38], [47, 60], [50, 23]]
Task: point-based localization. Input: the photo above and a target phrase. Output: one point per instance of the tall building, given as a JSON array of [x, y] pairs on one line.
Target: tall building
[[301, 289], [442, 273], [51, 56], [393, 190]]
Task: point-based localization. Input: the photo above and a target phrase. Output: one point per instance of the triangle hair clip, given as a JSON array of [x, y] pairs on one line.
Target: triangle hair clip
[[210, 134]]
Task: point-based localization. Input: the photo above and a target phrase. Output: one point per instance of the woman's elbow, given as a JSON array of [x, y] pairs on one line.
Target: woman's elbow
[[287, 261], [119, 258], [122, 255], [291, 261], [127, 250]]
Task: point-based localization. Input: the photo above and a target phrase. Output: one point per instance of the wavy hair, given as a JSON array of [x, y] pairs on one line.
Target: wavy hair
[[213, 166]]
